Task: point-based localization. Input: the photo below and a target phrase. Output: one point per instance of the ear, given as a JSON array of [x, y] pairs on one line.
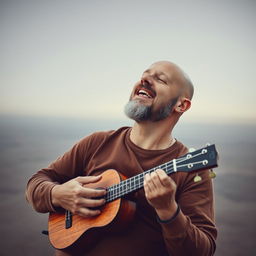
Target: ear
[[182, 105]]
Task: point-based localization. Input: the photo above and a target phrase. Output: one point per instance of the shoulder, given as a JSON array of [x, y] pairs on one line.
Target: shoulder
[[106, 134], [180, 149], [99, 137]]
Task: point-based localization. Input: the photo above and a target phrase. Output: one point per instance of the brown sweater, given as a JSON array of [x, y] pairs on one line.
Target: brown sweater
[[192, 232]]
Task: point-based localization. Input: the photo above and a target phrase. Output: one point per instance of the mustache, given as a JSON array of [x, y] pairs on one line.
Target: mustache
[[147, 88]]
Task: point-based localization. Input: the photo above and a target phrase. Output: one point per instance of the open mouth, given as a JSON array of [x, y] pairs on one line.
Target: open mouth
[[145, 93]]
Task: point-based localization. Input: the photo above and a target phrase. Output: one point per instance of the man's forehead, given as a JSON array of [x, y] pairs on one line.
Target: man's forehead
[[161, 67]]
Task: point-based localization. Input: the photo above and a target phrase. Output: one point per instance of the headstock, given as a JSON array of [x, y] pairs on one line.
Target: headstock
[[204, 158]]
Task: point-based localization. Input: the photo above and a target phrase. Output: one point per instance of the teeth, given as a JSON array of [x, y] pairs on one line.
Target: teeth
[[144, 92]]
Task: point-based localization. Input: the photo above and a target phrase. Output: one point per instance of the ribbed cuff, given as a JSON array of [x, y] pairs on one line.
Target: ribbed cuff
[[171, 219]]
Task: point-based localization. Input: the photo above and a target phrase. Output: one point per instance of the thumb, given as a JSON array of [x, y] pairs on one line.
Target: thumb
[[88, 179]]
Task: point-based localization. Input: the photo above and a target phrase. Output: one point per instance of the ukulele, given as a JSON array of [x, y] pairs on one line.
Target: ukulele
[[66, 228]]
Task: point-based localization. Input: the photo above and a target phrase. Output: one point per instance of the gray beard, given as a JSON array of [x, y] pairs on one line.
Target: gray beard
[[139, 112]]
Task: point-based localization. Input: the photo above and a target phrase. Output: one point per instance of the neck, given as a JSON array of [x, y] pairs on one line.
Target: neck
[[152, 135]]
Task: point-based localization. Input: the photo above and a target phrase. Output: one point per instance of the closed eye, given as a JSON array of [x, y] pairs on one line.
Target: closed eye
[[161, 80]]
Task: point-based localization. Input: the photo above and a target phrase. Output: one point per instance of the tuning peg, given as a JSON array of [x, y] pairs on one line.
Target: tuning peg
[[197, 178], [191, 150], [212, 174]]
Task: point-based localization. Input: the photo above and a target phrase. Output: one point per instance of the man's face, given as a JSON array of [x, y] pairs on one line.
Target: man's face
[[154, 97]]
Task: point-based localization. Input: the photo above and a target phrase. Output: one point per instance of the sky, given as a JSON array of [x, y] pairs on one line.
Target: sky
[[82, 58]]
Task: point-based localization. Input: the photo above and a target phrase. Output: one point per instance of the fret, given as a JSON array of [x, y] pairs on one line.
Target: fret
[[110, 192], [169, 167], [128, 185], [187, 163], [123, 185], [132, 182], [118, 189]]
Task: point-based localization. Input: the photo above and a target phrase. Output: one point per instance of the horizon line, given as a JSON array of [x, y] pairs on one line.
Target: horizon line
[[119, 118]]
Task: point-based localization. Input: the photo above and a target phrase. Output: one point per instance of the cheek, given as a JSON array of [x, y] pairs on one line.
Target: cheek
[[164, 97]]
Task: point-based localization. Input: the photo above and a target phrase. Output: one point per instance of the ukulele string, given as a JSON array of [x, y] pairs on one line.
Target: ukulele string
[[127, 186]]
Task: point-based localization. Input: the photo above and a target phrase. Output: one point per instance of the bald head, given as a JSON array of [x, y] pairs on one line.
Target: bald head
[[178, 76]]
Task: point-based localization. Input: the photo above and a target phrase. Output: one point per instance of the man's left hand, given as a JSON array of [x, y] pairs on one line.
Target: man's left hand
[[160, 192]]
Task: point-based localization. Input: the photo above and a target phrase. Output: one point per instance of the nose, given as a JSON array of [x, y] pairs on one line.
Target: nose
[[146, 81]]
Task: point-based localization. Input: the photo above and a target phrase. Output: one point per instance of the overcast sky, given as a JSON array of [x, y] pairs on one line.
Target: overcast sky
[[82, 58]]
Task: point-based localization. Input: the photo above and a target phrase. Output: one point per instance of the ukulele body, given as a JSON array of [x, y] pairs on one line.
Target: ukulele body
[[118, 213]]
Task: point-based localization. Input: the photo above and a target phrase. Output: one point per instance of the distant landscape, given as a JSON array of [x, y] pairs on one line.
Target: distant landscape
[[28, 144]]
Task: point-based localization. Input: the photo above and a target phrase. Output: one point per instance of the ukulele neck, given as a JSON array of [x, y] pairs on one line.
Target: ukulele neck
[[200, 159]]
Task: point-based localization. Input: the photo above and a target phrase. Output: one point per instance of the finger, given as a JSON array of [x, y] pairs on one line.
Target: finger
[[146, 183], [85, 212], [147, 190], [163, 178], [92, 193], [155, 179], [88, 179], [86, 202]]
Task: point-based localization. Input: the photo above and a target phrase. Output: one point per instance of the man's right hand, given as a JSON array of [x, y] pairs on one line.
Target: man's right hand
[[77, 198]]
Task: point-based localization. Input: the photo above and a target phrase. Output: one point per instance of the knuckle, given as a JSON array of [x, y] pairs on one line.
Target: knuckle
[[165, 179], [147, 177], [78, 178], [159, 172], [154, 176], [77, 191], [76, 202]]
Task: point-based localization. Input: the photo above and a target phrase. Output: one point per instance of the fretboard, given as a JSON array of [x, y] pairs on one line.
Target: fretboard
[[136, 182], [200, 159]]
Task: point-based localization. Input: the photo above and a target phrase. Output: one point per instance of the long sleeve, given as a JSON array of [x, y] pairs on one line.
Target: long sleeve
[[193, 231], [70, 165]]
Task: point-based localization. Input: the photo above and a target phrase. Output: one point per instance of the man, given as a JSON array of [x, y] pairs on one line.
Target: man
[[174, 215]]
